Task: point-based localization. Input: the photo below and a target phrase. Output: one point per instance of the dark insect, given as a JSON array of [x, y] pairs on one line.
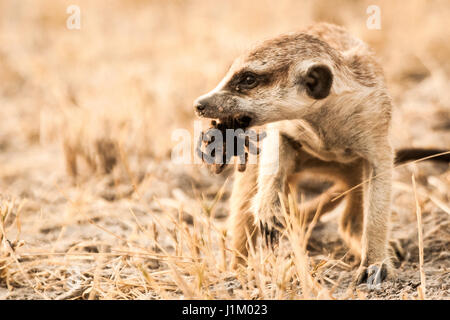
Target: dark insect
[[217, 156]]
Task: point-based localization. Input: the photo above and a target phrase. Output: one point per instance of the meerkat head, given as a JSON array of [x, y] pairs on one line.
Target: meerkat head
[[277, 80]]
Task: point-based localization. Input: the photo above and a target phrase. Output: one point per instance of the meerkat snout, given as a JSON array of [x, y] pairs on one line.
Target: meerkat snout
[[221, 105], [200, 106], [208, 106]]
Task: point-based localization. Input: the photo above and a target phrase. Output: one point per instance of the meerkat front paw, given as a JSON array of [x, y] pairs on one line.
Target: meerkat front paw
[[270, 225], [270, 231]]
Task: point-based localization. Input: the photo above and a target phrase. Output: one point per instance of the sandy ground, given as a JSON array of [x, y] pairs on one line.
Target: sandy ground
[[152, 229]]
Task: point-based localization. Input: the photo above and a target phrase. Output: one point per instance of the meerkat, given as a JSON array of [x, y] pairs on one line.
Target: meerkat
[[325, 93]]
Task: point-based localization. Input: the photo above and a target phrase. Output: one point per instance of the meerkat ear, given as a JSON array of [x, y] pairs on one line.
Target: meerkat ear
[[318, 81]]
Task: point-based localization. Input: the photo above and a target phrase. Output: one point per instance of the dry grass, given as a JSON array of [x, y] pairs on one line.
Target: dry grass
[[196, 268], [421, 289], [91, 206]]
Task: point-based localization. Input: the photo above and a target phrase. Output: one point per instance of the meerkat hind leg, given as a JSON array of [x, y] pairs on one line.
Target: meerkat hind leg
[[351, 225]]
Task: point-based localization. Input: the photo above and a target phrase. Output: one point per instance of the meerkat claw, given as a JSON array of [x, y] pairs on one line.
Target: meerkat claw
[[270, 232], [373, 275]]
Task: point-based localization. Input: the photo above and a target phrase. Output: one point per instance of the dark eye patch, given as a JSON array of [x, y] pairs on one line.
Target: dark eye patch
[[247, 80]]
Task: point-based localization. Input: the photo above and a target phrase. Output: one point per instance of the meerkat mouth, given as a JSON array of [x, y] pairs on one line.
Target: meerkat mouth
[[244, 121], [237, 122]]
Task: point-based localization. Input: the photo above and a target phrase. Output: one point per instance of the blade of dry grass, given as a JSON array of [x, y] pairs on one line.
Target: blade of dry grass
[[422, 288]]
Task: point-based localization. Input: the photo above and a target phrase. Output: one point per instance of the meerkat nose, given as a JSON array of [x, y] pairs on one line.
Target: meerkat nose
[[199, 106]]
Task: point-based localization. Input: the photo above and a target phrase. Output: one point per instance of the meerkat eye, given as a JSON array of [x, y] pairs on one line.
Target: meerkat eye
[[248, 81]]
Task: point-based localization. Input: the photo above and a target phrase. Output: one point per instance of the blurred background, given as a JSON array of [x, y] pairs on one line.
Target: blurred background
[[138, 65], [77, 105]]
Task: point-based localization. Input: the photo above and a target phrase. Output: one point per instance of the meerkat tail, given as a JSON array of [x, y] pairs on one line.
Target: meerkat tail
[[410, 154]]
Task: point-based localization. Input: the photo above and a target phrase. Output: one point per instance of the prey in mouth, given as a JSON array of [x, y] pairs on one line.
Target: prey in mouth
[[227, 138]]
